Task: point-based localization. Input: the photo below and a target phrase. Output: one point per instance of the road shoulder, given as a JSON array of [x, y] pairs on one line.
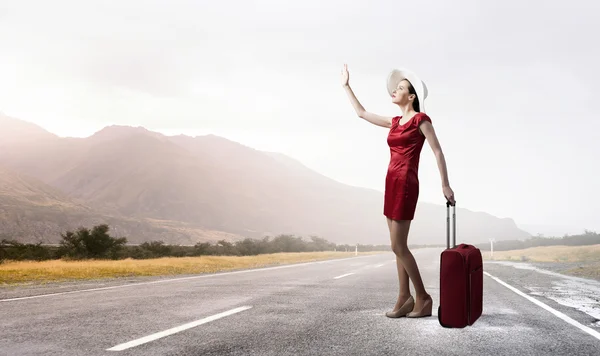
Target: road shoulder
[[578, 298]]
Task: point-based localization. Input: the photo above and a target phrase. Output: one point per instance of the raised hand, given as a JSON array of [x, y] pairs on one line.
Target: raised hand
[[345, 75]]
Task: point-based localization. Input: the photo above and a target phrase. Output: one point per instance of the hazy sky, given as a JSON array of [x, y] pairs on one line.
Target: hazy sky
[[510, 82]]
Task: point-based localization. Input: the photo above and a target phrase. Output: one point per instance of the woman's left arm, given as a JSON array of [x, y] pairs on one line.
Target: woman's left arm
[[427, 129]]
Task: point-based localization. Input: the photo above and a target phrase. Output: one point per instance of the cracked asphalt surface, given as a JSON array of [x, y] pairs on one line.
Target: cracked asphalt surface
[[300, 309]]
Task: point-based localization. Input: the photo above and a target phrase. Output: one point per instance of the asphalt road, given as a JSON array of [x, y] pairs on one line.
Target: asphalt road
[[324, 308]]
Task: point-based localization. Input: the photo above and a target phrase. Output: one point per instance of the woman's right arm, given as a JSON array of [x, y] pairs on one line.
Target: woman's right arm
[[383, 121]]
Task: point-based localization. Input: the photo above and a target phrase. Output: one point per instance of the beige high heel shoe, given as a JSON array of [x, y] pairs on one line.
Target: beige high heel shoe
[[425, 310], [405, 309]]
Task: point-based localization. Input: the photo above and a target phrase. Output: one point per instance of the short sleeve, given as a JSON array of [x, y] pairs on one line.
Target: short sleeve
[[421, 118]]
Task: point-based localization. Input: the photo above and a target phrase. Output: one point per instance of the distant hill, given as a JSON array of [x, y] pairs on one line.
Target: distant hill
[[31, 211], [16, 132], [548, 230], [215, 184]]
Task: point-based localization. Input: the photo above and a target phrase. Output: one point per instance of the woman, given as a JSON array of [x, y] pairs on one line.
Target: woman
[[405, 138]]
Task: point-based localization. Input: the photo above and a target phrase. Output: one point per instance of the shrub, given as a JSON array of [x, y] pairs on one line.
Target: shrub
[[96, 243]]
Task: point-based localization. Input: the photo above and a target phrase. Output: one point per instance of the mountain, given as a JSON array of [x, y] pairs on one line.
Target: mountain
[[16, 132], [30, 149], [31, 211], [213, 184], [551, 230]]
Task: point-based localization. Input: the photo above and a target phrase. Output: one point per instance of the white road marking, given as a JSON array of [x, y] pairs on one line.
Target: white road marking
[[182, 278], [556, 313], [343, 275], [377, 266], [174, 330]]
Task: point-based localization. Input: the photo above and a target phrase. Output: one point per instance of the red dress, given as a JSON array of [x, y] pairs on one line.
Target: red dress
[[402, 179]]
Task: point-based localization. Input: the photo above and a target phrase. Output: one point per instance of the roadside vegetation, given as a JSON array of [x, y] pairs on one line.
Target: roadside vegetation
[[585, 239], [93, 253], [19, 272], [577, 255], [96, 243], [560, 254]]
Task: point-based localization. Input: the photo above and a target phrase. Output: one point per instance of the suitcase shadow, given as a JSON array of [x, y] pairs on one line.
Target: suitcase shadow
[[497, 320]]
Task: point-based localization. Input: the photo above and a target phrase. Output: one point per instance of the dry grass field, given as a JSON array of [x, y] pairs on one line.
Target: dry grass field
[[17, 272], [587, 258]]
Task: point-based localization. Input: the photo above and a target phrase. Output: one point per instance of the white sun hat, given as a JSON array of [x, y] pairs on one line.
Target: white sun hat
[[397, 75]]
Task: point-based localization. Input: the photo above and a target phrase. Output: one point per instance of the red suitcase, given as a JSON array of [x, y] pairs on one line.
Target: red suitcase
[[461, 280]]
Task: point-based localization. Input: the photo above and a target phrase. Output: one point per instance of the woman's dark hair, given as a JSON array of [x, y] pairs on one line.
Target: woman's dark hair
[[411, 90]]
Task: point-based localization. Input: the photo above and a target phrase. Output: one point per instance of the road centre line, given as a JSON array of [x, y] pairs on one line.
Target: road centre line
[[176, 329], [343, 275]]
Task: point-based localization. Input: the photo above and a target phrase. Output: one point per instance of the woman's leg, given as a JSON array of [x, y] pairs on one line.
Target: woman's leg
[[404, 292], [399, 235]]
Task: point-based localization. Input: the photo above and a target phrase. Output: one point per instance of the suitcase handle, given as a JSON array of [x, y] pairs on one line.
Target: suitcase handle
[[448, 225]]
